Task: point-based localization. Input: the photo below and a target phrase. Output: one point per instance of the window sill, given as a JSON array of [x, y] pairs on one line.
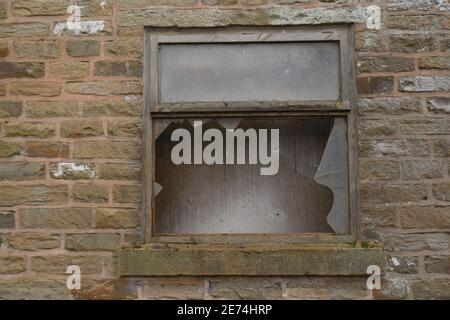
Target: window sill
[[283, 260]]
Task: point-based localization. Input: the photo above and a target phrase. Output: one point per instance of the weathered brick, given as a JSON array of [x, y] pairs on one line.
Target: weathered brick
[[50, 109], [380, 170], [424, 84], [374, 128], [127, 193], [431, 289], [30, 129], [425, 126], [412, 43], [89, 8], [149, 3], [4, 50], [391, 289], [370, 41], [441, 147], [112, 218], [389, 106], [437, 264], [17, 171], [439, 63], [2, 89], [47, 149], [325, 288], [93, 242], [394, 147], [33, 194], [69, 69], [57, 264], [81, 128], [425, 217], [37, 49], [26, 29], [386, 64], [105, 88], [439, 105], [83, 48], [41, 88], [180, 288], [21, 69], [375, 85], [125, 128], [219, 2], [90, 193], [416, 22], [118, 68], [107, 150], [56, 218], [124, 48], [11, 264], [3, 12], [243, 288], [112, 108], [120, 171], [10, 109], [72, 170], [441, 191], [116, 289], [372, 194], [7, 219], [422, 169], [33, 241], [398, 5], [33, 288], [10, 149], [372, 217], [417, 242]]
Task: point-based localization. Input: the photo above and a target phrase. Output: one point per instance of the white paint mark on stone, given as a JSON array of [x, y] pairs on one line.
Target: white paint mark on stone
[[395, 261], [64, 167], [87, 27], [373, 17], [130, 98]]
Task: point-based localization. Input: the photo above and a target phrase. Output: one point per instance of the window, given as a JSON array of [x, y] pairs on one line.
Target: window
[[250, 132]]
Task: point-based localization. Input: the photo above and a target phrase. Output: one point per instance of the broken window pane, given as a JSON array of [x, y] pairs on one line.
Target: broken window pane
[[306, 71], [251, 175]]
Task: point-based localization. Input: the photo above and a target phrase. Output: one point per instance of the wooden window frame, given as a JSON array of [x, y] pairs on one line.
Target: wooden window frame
[[346, 106]]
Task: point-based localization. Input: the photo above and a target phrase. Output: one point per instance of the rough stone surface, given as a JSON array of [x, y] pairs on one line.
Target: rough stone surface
[[7, 219], [11, 265], [37, 49], [33, 241], [90, 193], [50, 109], [107, 218], [57, 218], [33, 194], [18, 171], [21, 70], [93, 242], [10, 109], [71, 165]]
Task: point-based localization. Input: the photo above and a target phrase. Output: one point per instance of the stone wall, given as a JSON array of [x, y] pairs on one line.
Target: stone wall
[[71, 147]]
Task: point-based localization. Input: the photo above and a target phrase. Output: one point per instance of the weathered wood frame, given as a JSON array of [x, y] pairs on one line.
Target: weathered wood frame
[[346, 106]]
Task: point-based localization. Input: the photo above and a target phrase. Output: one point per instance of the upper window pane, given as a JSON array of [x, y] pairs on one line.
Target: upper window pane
[[301, 71]]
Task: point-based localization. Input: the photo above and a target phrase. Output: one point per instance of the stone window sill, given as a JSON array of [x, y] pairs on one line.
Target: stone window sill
[[282, 260]]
